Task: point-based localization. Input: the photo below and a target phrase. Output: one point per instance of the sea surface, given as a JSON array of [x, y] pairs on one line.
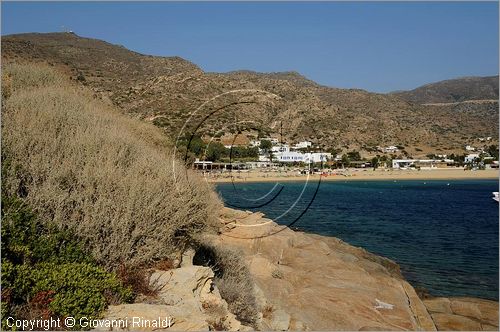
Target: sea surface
[[443, 234]]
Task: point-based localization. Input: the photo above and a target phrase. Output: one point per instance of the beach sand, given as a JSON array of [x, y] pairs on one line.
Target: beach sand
[[355, 175]]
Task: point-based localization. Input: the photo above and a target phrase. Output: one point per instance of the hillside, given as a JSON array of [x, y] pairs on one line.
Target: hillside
[[168, 90], [452, 91]]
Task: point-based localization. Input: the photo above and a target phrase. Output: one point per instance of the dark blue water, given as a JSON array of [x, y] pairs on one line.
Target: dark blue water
[[444, 234]]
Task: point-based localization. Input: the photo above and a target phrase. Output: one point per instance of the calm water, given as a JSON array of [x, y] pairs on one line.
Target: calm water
[[444, 234]]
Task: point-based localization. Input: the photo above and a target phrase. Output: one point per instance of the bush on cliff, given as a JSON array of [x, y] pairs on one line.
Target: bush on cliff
[[233, 279], [90, 170], [46, 272]]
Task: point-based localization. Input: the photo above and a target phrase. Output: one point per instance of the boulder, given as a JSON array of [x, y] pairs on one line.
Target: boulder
[[141, 317], [462, 313], [187, 296]]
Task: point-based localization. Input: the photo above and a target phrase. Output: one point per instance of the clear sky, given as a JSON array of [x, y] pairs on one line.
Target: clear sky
[[379, 47]]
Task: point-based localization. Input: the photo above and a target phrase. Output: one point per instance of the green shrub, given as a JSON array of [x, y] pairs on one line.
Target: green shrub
[[79, 289], [46, 272], [26, 240]]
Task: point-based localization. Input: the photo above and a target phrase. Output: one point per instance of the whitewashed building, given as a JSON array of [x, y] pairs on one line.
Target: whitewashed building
[[293, 156], [391, 149], [302, 145], [470, 157], [280, 148]]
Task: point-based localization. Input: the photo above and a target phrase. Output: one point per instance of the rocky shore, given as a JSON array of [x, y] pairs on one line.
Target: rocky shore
[[303, 282]]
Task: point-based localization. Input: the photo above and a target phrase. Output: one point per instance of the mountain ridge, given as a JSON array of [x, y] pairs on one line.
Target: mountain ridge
[[453, 90], [170, 89]]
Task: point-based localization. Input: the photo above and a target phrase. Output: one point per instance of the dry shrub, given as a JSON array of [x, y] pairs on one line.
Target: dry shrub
[[6, 85], [27, 76], [108, 178], [137, 278], [267, 311], [233, 279], [165, 264], [277, 273]]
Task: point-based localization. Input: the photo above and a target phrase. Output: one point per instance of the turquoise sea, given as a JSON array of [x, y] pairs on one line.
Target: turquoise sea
[[444, 234]]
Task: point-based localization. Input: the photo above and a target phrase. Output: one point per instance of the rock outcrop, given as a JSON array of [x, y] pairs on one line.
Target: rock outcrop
[[462, 313], [302, 282], [322, 283], [186, 297]]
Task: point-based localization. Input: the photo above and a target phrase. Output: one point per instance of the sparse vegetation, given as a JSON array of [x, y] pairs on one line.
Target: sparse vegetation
[[277, 273], [89, 170], [233, 279], [348, 118], [46, 272]]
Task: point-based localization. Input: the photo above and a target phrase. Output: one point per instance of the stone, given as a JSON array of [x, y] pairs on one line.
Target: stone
[[450, 322], [188, 296], [180, 320], [187, 257], [438, 304], [484, 310]]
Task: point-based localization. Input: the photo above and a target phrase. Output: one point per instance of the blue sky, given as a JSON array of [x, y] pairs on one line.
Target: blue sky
[[379, 47]]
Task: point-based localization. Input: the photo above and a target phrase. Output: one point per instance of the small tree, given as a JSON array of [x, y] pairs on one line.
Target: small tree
[[216, 151], [345, 160], [354, 155], [266, 144], [493, 151]]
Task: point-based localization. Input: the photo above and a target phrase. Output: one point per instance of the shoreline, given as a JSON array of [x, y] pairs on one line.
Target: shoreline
[[358, 175], [378, 294], [427, 294]]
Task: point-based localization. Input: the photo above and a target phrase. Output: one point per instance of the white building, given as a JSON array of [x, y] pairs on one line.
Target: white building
[[470, 148], [421, 163], [403, 163], [318, 157], [280, 148], [302, 145], [391, 149], [293, 156], [470, 157], [290, 157]]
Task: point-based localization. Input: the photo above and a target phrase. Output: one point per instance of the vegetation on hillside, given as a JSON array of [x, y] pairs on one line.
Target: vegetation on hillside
[[455, 90], [190, 148], [233, 279], [103, 176], [47, 273], [90, 199], [170, 89]]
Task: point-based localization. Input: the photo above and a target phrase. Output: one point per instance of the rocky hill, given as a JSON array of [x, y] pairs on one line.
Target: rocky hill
[[169, 91], [452, 91]]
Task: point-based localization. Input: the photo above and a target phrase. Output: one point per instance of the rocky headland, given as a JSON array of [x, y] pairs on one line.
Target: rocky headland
[[303, 282]]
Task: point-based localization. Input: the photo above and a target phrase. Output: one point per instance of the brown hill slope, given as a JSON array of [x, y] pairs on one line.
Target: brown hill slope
[[170, 90], [455, 90]]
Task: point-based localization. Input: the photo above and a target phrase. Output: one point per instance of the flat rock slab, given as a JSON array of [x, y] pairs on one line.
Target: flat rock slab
[[322, 283], [141, 317], [463, 314]]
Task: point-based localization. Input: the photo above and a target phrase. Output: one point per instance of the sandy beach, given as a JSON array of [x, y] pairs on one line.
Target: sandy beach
[[354, 175]]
